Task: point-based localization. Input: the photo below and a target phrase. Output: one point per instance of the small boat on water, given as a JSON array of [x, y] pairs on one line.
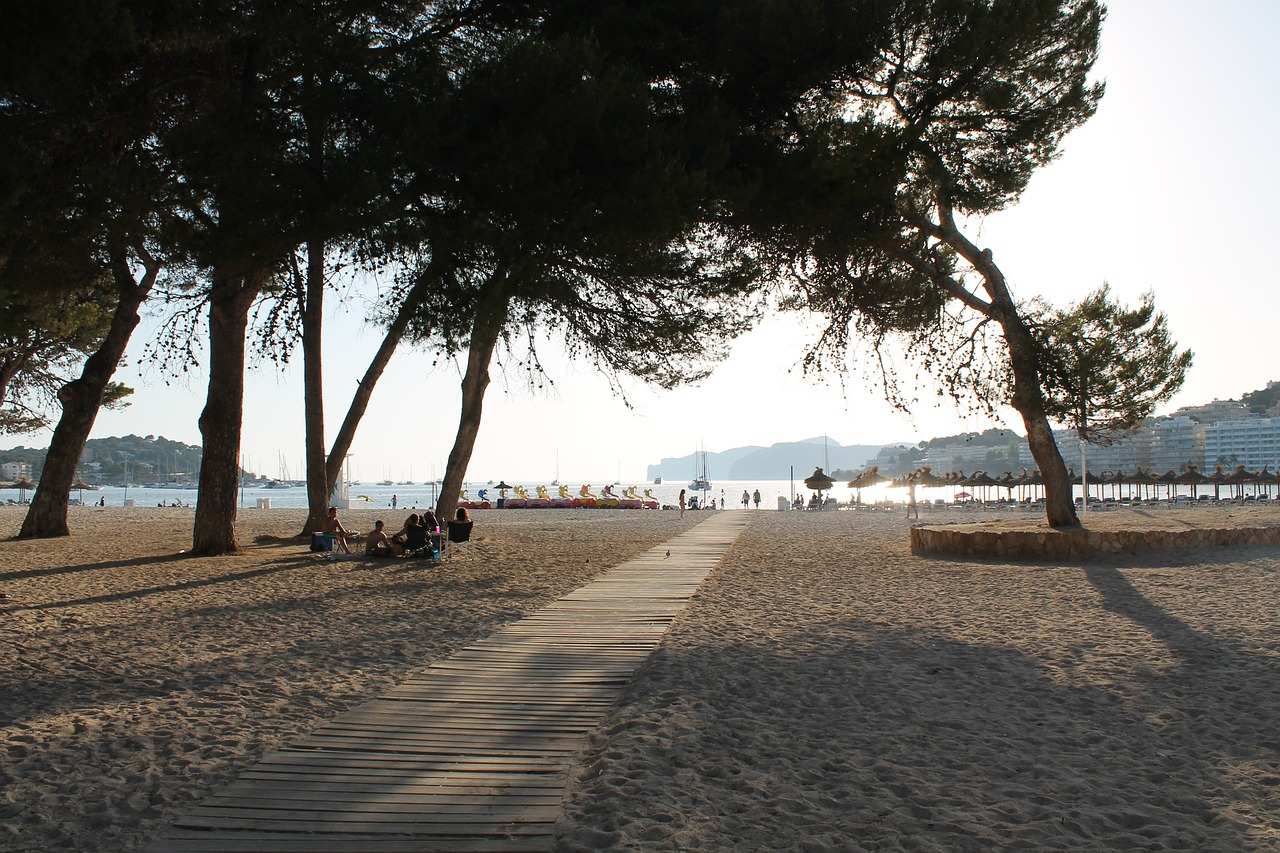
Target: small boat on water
[[657, 481]]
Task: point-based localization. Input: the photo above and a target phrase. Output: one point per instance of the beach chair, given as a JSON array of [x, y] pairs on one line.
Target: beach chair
[[457, 532]]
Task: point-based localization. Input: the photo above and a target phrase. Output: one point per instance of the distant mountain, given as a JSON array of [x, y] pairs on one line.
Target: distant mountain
[[766, 463]]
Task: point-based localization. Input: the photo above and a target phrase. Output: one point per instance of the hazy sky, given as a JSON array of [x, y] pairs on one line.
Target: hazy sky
[[1170, 188]]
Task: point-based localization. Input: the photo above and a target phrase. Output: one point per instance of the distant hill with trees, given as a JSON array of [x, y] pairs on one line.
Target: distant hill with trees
[[148, 459]]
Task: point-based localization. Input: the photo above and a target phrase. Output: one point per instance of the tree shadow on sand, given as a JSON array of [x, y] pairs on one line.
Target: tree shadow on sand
[[891, 739]]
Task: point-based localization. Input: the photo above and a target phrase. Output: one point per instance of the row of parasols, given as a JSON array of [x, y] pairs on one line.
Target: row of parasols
[[1144, 481]]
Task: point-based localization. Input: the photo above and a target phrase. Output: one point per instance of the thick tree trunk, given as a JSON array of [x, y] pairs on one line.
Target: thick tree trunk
[[220, 422], [364, 392], [81, 399], [318, 487], [491, 316]]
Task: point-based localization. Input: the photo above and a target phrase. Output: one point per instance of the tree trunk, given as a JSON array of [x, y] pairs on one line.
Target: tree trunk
[[81, 399], [364, 391], [491, 316], [318, 486], [1028, 399], [220, 422]]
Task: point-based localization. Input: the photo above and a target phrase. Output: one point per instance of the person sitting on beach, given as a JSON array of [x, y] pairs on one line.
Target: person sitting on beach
[[378, 544], [461, 514], [335, 529], [428, 520], [402, 535]]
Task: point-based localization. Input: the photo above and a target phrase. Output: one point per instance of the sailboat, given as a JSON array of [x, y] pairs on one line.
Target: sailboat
[[700, 483]]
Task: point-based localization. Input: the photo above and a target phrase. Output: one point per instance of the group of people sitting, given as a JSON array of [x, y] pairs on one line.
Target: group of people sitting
[[419, 533]]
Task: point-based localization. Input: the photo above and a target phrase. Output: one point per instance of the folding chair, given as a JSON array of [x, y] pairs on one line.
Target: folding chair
[[457, 532]]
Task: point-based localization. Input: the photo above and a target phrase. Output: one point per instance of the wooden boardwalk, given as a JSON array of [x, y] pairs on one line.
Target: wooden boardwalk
[[472, 753]]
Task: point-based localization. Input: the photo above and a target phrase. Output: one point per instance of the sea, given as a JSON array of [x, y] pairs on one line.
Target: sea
[[420, 495]]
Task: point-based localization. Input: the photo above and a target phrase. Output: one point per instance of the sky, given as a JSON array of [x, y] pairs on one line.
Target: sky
[[1169, 188]]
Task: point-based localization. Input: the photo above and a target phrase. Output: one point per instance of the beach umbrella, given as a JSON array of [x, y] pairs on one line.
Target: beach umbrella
[[81, 485], [22, 486], [502, 488], [866, 479], [1006, 481], [982, 480], [1240, 476], [1168, 479], [1142, 477], [962, 495], [1218, 478], [1191, 477], [819, 482]]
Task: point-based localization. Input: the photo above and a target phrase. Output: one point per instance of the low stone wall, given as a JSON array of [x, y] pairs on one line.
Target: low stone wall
[[1078, 544]]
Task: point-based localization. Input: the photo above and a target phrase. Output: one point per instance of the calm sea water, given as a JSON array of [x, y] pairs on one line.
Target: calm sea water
[[425, 495]]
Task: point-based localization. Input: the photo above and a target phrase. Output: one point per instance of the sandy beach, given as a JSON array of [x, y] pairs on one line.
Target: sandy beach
[[826, 690], [133, 681]]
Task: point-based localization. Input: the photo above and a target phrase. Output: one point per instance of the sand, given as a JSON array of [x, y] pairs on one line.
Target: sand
[[132, 682], [826, 690]]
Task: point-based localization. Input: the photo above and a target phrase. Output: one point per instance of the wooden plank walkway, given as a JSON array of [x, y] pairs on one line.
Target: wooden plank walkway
[[471, 754]]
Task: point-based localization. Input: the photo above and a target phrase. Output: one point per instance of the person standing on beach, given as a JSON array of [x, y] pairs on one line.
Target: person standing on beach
[[682, 503], [746, 499], [394, 501], [756, 497], [912, 508]]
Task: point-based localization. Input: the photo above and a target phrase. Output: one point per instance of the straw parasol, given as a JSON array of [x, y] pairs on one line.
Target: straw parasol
[[22, 486], [1219, 478], [867, 478], [502, 488], [818, 481], [925, 477], [81, 485], [982, 480], [1191, 477], [1240, 476], [1007, 482], [1142, 477]]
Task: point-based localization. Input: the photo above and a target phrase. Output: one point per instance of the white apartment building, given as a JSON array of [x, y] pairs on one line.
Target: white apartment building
[[13, 471], [1252, 443]]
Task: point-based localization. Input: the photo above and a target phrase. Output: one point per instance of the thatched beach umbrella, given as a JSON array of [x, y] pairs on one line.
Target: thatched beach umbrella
[[867, 478], [81, 485], [23, 485], [1007, 482], [502, 488], [1218, 478], [1141, 477], [1168, 479], [982, 480], [819, 482], [1191, 477], [1266, 479], [1240, 476]]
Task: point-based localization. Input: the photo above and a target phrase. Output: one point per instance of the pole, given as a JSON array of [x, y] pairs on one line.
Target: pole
[[792, 478], [1084, 475]]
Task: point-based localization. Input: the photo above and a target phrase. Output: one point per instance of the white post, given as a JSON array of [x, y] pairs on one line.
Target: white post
[[1084, 476]]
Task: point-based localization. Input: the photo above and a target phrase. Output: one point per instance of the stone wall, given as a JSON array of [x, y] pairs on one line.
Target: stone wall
[[972, 541]]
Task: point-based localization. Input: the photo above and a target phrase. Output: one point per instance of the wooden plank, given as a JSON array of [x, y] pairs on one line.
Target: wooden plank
[[469, 754]]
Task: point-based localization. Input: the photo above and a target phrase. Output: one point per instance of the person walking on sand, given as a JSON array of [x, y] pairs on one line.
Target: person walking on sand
[[912, 508], [682, 503], [746, 499], [756, 497]]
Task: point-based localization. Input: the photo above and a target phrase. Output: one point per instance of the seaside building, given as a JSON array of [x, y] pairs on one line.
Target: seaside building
[[1215, 412], [956, 457], [1252, 442], [13, 471], [1177, 441]]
